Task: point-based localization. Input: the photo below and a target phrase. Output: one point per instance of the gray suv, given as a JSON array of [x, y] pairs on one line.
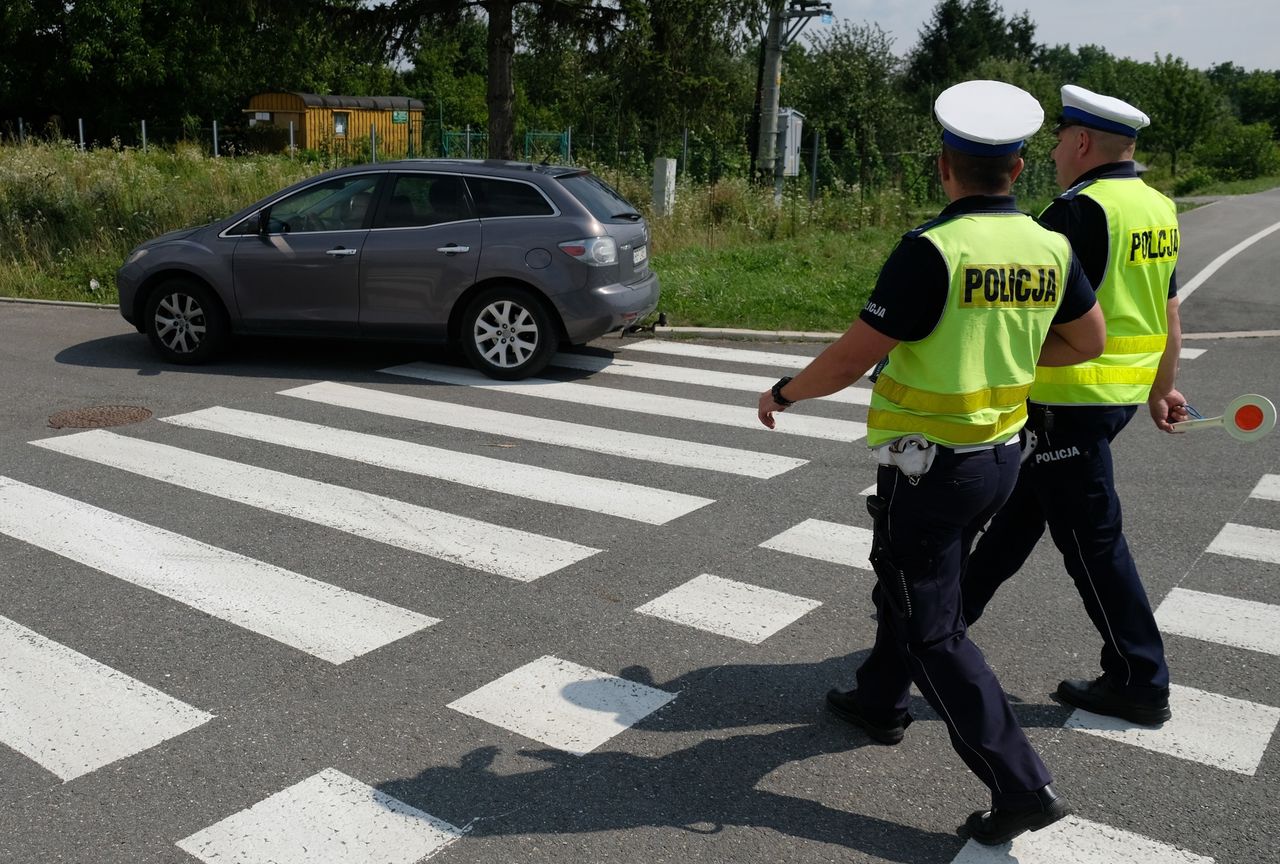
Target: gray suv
[[507, 258]]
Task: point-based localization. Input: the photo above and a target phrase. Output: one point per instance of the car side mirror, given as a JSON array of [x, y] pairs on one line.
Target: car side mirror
[[264, 222]]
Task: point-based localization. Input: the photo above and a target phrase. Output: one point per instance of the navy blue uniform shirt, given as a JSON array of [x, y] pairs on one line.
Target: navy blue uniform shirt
[[1085, 223], [911, 291]]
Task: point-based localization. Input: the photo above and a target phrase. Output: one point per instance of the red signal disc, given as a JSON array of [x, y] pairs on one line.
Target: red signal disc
[[1248, 417]]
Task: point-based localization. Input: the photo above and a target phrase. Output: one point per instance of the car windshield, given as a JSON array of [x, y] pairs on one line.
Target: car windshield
[[600, 198]]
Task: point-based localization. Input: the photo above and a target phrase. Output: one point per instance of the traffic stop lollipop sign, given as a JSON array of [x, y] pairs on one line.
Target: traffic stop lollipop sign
[[1247, 418]]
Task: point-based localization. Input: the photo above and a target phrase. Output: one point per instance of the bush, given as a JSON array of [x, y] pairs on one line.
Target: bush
[[1240, 152], [1191, 181]]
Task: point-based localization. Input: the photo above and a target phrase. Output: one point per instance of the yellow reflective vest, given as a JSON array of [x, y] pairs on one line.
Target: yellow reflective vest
[[1142, 228], [966, 383]]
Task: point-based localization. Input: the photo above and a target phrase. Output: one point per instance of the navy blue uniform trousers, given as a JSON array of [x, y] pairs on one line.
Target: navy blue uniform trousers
[[930, 528], [1068, 483]]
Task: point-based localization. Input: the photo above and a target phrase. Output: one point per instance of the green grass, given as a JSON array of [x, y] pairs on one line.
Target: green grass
[[817, 282], [1239, 187]]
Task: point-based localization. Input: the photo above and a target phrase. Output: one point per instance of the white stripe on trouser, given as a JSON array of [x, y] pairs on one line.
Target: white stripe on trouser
[[1088, 575], [906, 643]]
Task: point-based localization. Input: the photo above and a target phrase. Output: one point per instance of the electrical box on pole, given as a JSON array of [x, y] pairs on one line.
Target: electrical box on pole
[[786, 20], [790, 128]]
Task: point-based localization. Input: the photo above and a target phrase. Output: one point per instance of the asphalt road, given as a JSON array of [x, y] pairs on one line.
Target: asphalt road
[[259, 730]]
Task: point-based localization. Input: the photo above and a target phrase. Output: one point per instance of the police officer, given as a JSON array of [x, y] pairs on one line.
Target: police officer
[[1126, 237], [963, 307]]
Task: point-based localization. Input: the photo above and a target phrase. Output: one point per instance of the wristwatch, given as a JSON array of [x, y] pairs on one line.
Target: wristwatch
[[777, 392]]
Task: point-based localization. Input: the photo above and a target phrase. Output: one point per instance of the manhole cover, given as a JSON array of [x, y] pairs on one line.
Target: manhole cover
[[98, 416]]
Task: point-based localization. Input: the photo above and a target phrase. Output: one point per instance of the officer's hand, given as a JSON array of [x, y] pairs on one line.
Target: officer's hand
[[767, 407], [1168, 409]]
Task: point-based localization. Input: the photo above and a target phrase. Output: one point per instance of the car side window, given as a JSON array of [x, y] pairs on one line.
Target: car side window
[[497, 198], [341, 204], [420, 199]]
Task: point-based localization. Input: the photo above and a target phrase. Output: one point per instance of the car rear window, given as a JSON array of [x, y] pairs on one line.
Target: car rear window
[[497, 198], [599, 197]]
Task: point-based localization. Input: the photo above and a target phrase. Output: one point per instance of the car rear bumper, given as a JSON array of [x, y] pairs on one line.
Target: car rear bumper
[[609, 307]]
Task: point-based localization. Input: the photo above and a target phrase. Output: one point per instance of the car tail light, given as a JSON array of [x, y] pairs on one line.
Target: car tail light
[[597, 251]]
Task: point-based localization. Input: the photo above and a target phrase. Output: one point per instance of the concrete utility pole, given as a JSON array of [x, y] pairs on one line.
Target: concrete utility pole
[[786, 19]]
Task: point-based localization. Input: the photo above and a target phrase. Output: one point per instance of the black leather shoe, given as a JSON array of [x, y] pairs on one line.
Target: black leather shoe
[[1002, 824], [1101, 696], [844, 704]]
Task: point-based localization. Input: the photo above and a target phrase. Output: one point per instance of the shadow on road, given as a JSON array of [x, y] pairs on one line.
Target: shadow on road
[[714, 783]]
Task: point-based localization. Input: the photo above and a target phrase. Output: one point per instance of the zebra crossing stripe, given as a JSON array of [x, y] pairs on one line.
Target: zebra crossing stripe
[[1268, 488], [1224, 620], [320, 619], [1185, 353], [613, 497], [596, 439], [848, 545], [1078, 841], [1209, 728], [1246, 541], [729, 608], [716, 352], [687, 375], [562, 704], [484, 546], [73, 715], [328, 818], [740, 417]]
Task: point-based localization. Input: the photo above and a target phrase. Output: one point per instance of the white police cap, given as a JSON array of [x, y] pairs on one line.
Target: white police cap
[[1085, 108], [987, 118]]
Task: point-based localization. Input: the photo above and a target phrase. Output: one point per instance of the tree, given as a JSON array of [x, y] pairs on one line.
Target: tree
[[1183, 106], [845, 86], [401, 23], [960, 36]]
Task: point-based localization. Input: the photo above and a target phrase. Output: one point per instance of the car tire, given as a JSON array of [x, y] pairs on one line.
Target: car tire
[[186, 322], [507, 333]]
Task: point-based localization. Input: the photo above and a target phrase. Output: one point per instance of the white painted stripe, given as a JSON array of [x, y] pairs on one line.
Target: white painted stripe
[[1186, 353], [329, 818], [729, 608], [612, 497], [613, 442], [1224, 620], [320, 619], [1231, 734], [1185, 291], [740, 417], [562, 704], [826, 541], [1246, 541], [716, 352], [702, 377], [72, 714], [1078, 841], [870, 490], [508, 552], [1268, 488]]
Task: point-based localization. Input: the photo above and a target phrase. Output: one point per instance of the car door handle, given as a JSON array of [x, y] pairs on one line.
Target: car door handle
[[453, 248], [340, 252]]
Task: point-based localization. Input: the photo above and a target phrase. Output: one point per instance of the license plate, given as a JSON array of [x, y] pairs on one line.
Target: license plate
[[639, 254]]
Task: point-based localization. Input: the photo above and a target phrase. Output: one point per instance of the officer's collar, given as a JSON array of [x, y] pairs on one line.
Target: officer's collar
[[980, 204], [1110, 171]]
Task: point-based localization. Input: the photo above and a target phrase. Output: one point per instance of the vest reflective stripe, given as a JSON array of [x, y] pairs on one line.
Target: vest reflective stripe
[[966, 383], [1143, 237], [1096, 375], [936, 428], [1135, 344], [950, 403]]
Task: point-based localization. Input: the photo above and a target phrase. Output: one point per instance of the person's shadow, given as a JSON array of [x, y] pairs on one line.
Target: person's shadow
[[702, 788]]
